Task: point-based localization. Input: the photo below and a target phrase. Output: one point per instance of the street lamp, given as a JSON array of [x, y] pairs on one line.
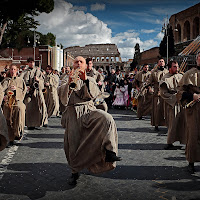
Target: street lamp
[[165, 29], [36, 40]]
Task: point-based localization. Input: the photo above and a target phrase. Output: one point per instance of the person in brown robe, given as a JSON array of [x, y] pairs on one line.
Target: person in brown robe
[[14, 108], [157, 112], [4, 139], [92, 72], [174, 114], [51, 83], [189, 96], [36, 111], [91, 139], [144, 97], [63, 79], [65, 71]]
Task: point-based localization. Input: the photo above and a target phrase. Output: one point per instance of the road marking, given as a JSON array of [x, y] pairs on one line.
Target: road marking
[[8, 157]]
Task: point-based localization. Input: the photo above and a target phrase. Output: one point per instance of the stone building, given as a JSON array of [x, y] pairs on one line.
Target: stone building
[[44, 55], [186, 26], [68, 59], [149, 56], [103, 55]]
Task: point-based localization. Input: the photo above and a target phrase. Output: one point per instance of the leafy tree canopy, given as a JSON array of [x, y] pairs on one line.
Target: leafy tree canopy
[[18, 14]]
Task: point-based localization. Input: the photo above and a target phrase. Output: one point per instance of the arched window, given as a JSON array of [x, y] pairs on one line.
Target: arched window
[[195, 27], [186, 31], [178, 33]]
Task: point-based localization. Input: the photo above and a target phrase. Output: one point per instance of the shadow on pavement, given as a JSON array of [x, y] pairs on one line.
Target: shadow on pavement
[[148, 146], [139, 130], [45, 135], [43, 145], [124, 118], [51, 126], [191, 185], [148, 173], [35, 179], [175, 158]]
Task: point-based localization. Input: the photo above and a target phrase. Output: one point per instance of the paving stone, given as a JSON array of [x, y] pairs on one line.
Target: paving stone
[[38, 169]]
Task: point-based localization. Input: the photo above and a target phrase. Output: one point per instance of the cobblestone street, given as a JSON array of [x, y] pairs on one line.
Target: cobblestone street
[[36, 167]]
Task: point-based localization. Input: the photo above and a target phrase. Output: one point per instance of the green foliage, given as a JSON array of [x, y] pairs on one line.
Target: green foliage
[[18, 14], [136, 58], [25, 38], [13, 9], [51, 39]]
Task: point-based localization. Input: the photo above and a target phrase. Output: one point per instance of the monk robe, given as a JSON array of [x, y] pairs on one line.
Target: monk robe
[[51, 94], [36, 111], [174, 114], [190, 84], [88, 131], [157, 113], [15, 114], [62, 81], [98, 77], [4, 139], [145, 98]]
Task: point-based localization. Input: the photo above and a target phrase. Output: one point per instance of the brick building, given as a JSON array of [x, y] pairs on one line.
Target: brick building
[[44, 55], [185, 24], [103, 55], [186, 28], [68, 59], [150, 56]]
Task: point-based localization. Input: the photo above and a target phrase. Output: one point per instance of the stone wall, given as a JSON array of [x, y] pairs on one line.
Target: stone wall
[[42, 56], [103, 55], [186, 24], [150, 56]]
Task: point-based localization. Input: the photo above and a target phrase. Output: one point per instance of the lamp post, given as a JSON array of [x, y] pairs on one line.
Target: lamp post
[[165, 29], [36, 40]]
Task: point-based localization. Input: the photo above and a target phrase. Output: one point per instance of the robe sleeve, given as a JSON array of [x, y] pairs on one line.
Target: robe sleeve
[[54, 81], [21, 90], [5, 84], [183, 95], [89, 90], [169, 97], [149, 80], [1, 94], [41, 80]]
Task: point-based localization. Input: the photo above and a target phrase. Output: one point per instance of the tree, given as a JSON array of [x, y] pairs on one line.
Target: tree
[[163, 43], [12, 10], [51, 39], [136, 58], [18, 32]]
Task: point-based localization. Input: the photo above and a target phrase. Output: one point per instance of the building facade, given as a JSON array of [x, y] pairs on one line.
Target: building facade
[[104, 56], [186, 24], [149, 56], [57, 58], [43, 55]]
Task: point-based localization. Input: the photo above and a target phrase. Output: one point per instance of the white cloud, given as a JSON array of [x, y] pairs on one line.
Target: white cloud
[[126, 42], [97, 6], [160, 36], [148, 31], [142, 16], [73, 27], [76, 28]]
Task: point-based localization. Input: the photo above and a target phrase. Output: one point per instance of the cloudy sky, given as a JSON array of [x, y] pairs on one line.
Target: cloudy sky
[[123, 22]]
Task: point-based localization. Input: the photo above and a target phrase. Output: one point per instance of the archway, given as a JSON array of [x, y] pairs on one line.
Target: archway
[[195, 27], [178, 33], [186, 31]]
